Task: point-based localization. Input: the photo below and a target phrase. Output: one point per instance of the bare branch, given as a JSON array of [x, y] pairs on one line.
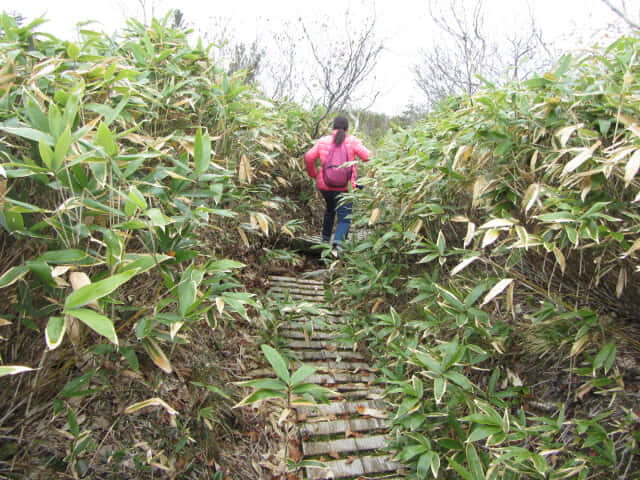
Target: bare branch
[[622, 14]]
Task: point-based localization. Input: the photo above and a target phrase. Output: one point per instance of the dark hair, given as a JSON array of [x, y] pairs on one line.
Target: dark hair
[[341, 124]]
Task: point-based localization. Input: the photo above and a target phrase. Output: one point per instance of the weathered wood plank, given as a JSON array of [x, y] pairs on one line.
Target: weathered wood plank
[[299, 334], [334, 378], [339, 408], [342, 445], [326, 355], [302, 281], [359, 466], [338, 367], [341, 426]]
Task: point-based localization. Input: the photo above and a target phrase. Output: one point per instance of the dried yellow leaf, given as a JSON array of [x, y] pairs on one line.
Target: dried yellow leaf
[[157, 355], [152, 402], [375, 216], [79, 280]]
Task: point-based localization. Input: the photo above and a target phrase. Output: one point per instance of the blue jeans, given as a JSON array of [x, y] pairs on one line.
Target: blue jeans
[[343, 210]]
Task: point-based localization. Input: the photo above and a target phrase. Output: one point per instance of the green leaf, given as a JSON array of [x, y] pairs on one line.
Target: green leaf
[[265, 384], [62, 147], [106, 140], [439, 388], [303, 372], [481, 432], [311, 388], [97, 290], [29, 133], [54, 333], [13, 275], [158, 219], [13, 369], [131, 357], [224, 265], [201, 152], [277, 362], [605, 357], [477, 469], [95, 321], [423, 465], [68, 256], [73, 51], [73, 423], [260, 395], [213, 389], [46, 154]]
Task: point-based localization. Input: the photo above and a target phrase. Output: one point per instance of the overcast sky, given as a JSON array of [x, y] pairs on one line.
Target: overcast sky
[[404, 25]]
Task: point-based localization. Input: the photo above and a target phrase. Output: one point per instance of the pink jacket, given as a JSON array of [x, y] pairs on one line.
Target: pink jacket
[[321, 150]]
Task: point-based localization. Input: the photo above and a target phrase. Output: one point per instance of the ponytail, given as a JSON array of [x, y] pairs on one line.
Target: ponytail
[[341, 124]]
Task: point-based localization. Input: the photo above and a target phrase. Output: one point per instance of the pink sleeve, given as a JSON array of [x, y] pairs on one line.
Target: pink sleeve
[[360, 150], [310, 160]]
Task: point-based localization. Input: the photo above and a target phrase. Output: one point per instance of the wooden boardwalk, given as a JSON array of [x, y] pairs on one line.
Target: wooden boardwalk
[[350, 434]]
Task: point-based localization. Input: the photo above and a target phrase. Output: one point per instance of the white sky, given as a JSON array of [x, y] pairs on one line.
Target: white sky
[[404, 25]]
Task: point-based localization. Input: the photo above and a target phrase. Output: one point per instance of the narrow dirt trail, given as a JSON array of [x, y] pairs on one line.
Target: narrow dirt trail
[[349, 434]]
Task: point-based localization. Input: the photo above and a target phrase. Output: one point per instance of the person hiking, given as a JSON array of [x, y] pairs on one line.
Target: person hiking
[[333, 179]]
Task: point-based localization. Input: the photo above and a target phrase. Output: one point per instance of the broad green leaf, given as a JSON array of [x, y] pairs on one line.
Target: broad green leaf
[[62, 147], [277, 362], [224, 265], [481, 432], [95, 321], [46, 154], [311, 388], [29, 133], [54, 333], [74, 428], [260, 395], [158, 219], [68, 256], [300, 374], [12, 369], [13, 275], [97, 290], [475, 464], [605, 358], [424, 464], [106, 140], [439, 388]]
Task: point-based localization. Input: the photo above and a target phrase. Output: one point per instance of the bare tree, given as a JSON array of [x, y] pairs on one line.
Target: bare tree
[[341, 66], [623, 12], [465, 51]]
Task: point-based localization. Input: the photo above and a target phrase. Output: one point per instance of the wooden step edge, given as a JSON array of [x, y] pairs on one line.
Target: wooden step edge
[[344, 445], [353, 468]]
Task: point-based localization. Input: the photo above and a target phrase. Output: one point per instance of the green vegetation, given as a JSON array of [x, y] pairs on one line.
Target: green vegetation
[[499, 287], [139, 182], [144, 193]]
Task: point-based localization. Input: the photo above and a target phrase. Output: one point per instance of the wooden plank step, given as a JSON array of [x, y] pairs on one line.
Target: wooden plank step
[[341, 426], [348, 468], [340, 408], [299, 334], [313, 344], [370, 393], [338, 367], [345, 445], [303, 281], [297, 286], [335, 378], [326, 355]]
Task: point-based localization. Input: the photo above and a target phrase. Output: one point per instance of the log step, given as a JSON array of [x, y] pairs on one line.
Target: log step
[[335, 378], [353, 468], [340, 408], [325, 355], [299, 334], [344, 445], [338, 367], [341, 426]]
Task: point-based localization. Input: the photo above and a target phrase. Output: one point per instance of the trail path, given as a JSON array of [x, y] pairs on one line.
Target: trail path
[[350, 433]]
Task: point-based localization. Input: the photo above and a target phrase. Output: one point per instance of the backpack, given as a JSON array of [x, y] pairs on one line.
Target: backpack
[[334, 173]]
